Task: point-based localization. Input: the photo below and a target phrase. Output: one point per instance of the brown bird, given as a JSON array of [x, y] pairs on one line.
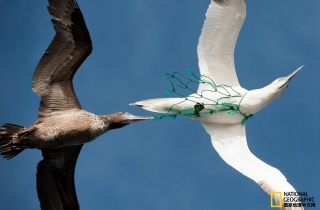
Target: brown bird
[[62, 126]]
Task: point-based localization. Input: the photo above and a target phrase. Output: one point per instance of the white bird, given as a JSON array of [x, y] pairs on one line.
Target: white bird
[[220, 94]]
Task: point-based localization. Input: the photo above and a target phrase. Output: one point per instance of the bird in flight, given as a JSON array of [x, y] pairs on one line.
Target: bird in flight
[[62, 126], [221, 104]]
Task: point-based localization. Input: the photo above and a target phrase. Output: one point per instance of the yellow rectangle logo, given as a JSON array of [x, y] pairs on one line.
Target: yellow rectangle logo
[[273, 201]]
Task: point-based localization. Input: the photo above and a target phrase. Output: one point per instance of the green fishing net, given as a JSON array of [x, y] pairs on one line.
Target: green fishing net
[[180, 83]]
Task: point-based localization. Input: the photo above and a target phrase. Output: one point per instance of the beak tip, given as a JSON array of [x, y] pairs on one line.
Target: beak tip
[[300, 67], [135, 118], [295, 72]]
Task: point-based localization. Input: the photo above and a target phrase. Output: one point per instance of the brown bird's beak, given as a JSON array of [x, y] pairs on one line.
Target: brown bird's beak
[[134, 118]]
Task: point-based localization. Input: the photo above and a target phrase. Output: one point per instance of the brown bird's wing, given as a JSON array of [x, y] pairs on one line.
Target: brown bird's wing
[[52, 79], [55, 178]]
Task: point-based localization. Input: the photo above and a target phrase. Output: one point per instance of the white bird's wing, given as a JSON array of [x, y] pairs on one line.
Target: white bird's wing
[[220, 31], [229, 140]]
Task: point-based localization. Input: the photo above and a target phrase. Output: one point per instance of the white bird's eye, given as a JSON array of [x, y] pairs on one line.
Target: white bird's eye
[[278, 80]]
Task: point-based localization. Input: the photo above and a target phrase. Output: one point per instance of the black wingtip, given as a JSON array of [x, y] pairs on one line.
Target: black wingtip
[[221, 2]]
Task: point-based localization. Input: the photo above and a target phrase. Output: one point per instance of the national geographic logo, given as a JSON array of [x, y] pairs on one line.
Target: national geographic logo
[[291, 199]]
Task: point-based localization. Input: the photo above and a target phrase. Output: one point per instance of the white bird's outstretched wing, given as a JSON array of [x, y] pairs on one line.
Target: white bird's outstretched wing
[[220, 31], [229, 140]]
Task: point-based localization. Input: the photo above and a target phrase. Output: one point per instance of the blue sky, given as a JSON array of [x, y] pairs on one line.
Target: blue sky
[[168, 164]]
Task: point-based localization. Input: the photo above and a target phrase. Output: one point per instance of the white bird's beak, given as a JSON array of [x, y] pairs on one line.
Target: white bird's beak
[[289, 77]]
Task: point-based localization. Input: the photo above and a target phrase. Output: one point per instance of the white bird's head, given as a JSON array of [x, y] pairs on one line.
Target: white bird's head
[[279, 86], [255, 100]]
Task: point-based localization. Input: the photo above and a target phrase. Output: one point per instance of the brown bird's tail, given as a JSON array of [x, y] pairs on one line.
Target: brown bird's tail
[[8, 138]]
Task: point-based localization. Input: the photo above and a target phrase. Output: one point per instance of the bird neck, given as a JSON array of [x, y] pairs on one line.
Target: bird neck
[[257, 99], [114, 121]]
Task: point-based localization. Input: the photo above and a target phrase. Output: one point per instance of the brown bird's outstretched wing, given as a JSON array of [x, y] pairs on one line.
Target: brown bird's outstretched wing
[[55, 178], [52, 79]]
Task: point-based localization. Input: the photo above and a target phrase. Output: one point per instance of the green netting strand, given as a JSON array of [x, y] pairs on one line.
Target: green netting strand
[[179, 81]]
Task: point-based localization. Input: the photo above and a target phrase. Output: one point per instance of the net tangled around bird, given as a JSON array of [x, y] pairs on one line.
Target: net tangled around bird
[[218, 105]]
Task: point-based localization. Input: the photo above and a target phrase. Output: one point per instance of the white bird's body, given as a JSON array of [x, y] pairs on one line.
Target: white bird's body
[[225, 104]]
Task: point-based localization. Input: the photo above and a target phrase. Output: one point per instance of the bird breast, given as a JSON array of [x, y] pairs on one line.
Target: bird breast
[[69, 128], [255, 100]]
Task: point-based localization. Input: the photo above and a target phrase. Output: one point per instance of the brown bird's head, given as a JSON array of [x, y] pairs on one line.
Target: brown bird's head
[[121, 119]]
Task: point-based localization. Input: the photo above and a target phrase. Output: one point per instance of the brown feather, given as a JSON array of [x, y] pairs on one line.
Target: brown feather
[[69, 48], [55, 178]]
